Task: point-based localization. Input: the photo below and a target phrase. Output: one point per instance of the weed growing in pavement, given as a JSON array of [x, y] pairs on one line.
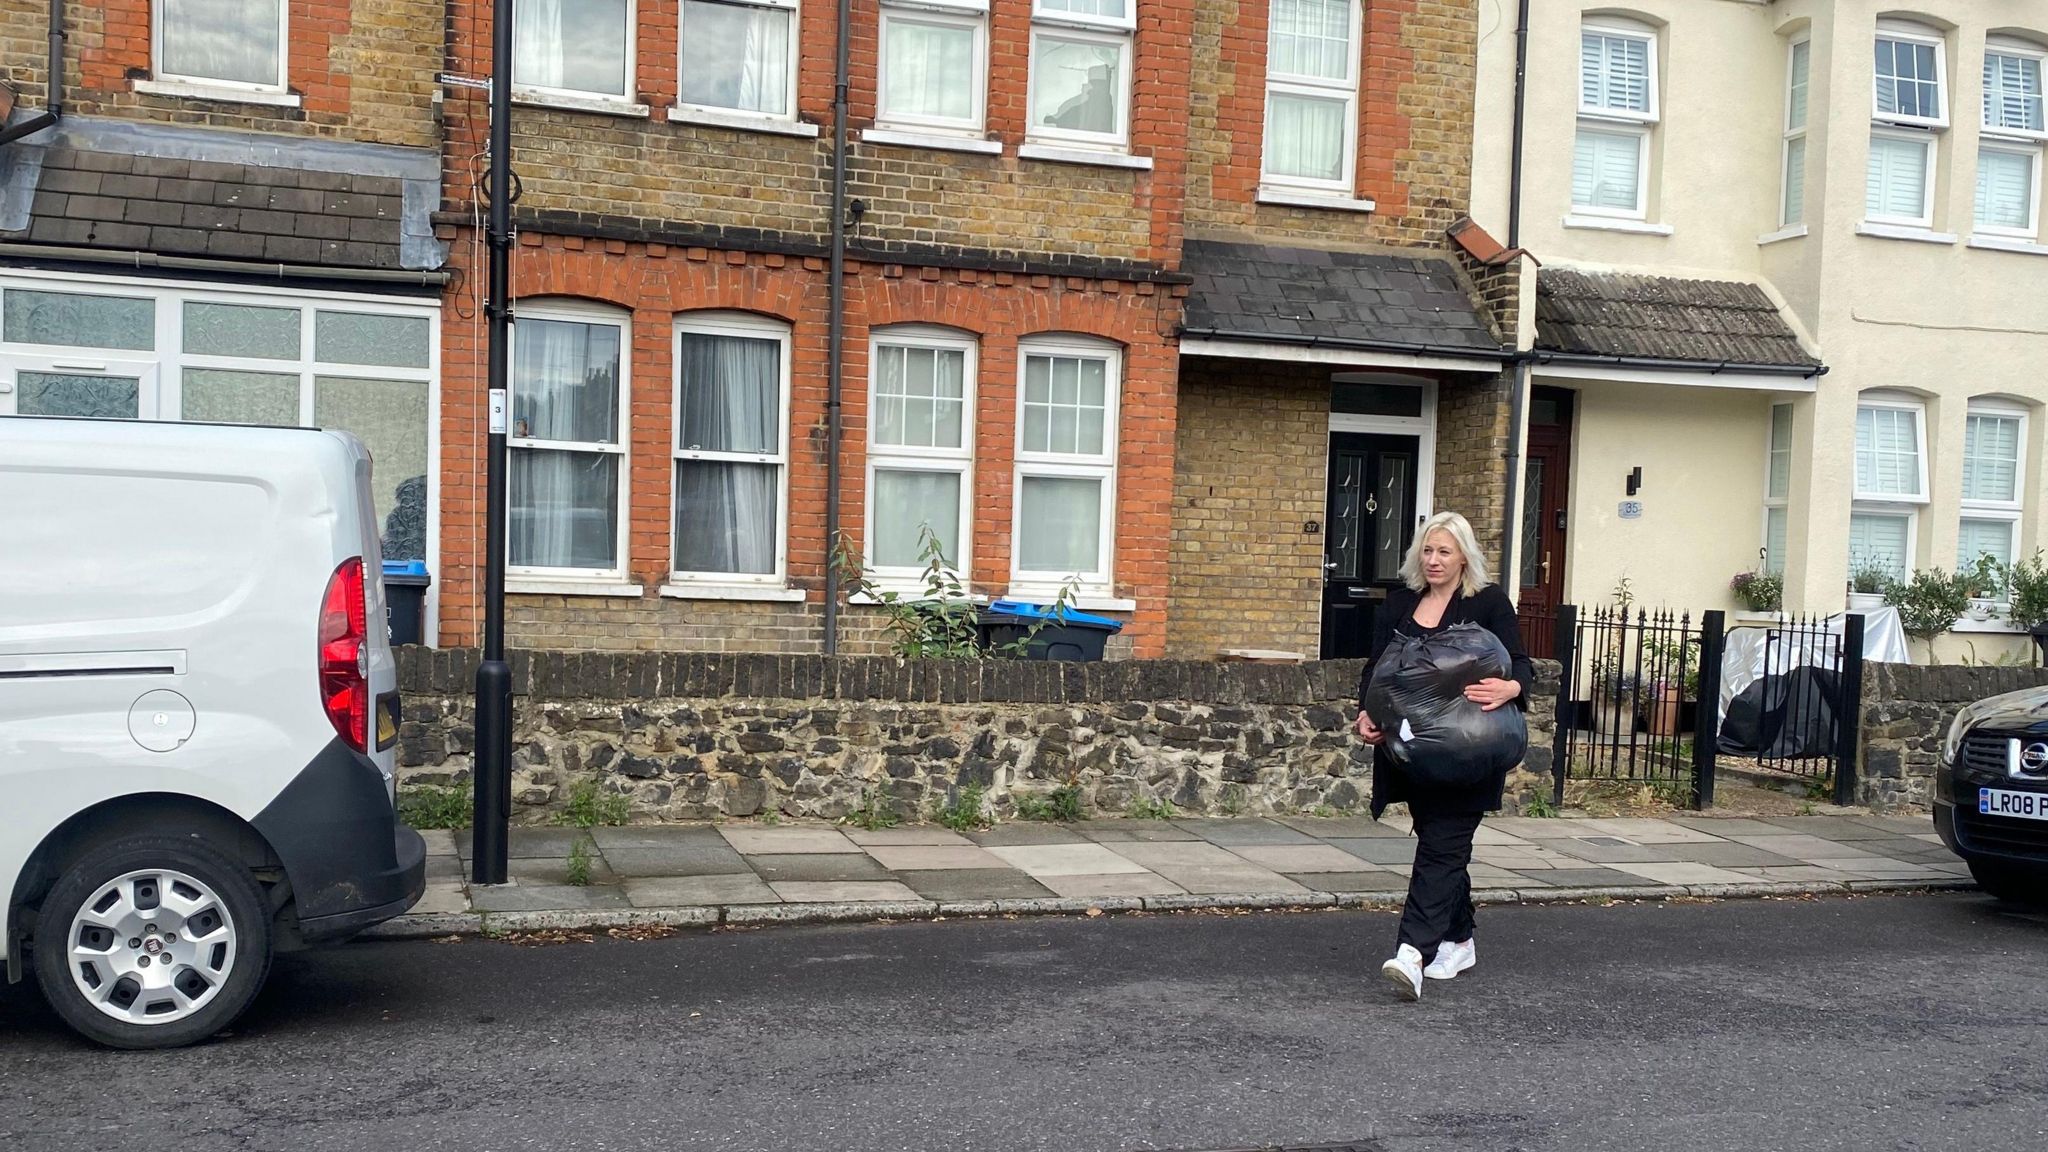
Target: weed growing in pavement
[[770, 817], [1146, 808], [579, 862], [1061, 805], [1807, 809], [874, 813], [963, 811], [433, 806], [1539, 806], [1232, 800], [1675, 792], [1323, 812], [1821, 789], [590, 806]]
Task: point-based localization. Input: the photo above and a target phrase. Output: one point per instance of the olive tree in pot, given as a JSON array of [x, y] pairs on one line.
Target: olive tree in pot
[[1929, 604], [2028, 590]]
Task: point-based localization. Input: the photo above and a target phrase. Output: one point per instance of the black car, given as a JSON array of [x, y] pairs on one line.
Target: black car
[[1991, 793]]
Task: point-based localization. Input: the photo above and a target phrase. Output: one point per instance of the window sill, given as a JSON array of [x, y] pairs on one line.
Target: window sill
[[1297, 198], [1904, 232], [2009, 244], [1995, 625], [1081, 601], [515, 586], [932, 140], [187, 91], [1061, 155], [1617, 224], [1794, 232], [741, 122], [597, 104], [758, 593]]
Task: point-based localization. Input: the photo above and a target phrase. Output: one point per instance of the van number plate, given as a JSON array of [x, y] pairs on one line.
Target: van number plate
[[2024, 805]]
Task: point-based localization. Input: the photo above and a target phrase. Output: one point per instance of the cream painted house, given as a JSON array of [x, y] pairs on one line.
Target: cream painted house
[[1793, 307]]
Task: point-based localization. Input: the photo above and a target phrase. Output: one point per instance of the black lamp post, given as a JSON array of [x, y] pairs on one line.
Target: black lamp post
[[493, 772]]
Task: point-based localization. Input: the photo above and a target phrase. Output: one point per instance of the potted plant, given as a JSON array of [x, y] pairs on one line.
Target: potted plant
[[1614, 698], [1985, 580], [1676, 681], [1759, 591], [1929, 604], [1868, 583]]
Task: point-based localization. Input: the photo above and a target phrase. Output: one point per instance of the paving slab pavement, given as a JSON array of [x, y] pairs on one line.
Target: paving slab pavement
[[756, 873]]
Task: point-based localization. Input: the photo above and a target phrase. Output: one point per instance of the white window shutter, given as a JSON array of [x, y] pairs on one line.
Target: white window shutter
[[1607, 170], [2005, 189], [1795, 180], [1897, 183]]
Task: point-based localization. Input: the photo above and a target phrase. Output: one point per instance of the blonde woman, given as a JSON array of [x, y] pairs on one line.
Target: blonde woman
[[1446, 583]]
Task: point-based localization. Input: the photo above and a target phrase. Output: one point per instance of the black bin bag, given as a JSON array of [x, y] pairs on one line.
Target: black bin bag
[[1418, 699]]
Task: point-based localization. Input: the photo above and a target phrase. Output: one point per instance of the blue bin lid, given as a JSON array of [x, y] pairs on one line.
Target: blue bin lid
[[1065, 616], [405, 567]]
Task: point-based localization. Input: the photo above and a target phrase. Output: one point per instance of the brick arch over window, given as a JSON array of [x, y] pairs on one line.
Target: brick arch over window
[[594, 272]]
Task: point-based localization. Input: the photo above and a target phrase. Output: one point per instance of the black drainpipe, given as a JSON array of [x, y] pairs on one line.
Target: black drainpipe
[[835, 358], [1518, 390], [54, 106]]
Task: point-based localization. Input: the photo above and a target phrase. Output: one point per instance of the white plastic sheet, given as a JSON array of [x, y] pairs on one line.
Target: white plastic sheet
[[1754, 652]]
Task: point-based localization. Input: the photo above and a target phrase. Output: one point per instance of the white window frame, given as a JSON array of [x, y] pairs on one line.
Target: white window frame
[[161, 369], [1933, 142], [541, 93], [157, 21], [2009, 511], [1782, 502], [898, 458], [1794, 132], [2006, 46], [1889, 504], [750, 327], [1914, 34], [1118, 32], [2032, 153], [575, 312], [788, 115], [1056, 465], [1621, 121], [970, 14], [1322, 89]]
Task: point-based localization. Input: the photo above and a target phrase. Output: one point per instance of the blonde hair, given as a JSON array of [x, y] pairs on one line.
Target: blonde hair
[[1460, 531]]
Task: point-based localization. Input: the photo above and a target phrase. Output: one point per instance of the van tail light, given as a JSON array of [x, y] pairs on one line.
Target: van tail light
[[344, 657]]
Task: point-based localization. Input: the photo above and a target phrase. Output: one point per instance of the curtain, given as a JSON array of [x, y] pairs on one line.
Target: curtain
[[736, 56], [579, 45], [1305, 137], [1060, 525], [726, 510], [930, 70], [234, 40], [1312, 38], [564, 508]]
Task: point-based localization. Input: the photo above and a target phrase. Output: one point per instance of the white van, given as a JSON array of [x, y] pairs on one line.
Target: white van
[[196, 716]]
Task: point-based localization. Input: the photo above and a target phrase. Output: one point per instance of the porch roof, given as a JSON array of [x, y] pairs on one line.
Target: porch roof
[[1714, 323], [1304, 296]]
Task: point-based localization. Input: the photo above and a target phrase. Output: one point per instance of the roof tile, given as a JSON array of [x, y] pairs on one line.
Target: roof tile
[[1249, 291], [1663, 318]]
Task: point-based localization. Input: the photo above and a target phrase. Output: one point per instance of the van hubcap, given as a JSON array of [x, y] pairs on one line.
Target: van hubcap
[[152, 947]]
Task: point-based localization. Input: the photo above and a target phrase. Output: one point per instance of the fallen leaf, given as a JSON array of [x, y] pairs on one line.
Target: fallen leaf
[[1094, 912]]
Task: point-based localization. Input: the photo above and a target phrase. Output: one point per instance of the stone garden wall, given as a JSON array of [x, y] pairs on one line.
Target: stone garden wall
[[691, 737], [1906, 713]]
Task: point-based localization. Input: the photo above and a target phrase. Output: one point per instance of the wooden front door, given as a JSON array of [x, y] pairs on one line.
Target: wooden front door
[[1546, 474], [1371, 514]]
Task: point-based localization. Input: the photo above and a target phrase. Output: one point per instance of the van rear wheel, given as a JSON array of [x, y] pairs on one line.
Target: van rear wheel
[[152, 942]]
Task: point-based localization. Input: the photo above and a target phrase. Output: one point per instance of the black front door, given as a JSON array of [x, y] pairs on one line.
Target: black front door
[[1371, 515]]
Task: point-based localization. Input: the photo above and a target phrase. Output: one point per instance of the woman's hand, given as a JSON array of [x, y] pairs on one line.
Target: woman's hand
[[1491, 693], [1368, 731]]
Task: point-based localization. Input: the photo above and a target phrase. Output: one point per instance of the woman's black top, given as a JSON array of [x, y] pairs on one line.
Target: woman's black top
[[1489, 608]]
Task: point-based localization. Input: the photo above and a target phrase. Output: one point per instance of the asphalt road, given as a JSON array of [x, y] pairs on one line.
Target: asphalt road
[[1914, 1022]]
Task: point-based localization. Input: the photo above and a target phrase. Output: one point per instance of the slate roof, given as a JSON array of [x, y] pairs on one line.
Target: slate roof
[[94, 199], [1663, 318], [1303, 295]]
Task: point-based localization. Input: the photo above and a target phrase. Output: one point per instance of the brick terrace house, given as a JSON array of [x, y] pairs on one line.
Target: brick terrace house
[[229, 221], [1025, 180]]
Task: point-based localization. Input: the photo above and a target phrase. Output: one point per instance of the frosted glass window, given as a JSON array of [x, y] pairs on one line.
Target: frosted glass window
[[368, 338], [222, 397], [1059, 525], [242, 330], [390, 418], [77, 320], [906, 503], [60, 394]]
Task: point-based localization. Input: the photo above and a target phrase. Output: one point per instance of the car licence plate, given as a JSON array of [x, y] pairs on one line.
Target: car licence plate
[[2024, 805]]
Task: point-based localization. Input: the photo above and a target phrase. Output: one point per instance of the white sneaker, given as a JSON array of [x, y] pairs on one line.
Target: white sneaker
[[1404, 971], [1452, 959]]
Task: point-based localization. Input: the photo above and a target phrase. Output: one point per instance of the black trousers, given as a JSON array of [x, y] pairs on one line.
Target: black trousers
[[1440, 888]]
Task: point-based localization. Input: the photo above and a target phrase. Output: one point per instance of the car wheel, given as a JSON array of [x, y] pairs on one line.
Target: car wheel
[[2015, 885], [152, 942]]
